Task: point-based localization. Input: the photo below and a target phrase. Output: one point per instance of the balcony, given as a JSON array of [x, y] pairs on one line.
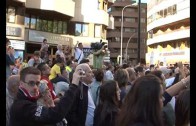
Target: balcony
[[183, 14], [168, 36], [66, 7], [111, 22]]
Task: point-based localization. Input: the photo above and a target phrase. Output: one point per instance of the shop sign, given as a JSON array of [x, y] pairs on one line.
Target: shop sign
[[13, 31], [19, 45], [38, 36]]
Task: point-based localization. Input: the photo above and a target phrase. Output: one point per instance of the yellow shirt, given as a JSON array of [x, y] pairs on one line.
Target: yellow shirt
[[54, 71]]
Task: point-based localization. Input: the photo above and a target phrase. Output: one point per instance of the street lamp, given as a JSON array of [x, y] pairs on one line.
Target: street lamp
[[121, 33], [128, 44]]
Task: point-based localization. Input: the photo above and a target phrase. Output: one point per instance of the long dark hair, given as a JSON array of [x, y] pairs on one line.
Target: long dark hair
[[182, 108], [142, 104], [108, 103]]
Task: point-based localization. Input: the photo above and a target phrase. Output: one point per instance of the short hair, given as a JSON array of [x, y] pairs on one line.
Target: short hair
[[122, 77], [28, 70], [59, 60], [84, 61], [152, 65], [99, 74], [41, 66], [44, 40], [36, 53], [69, 62], [13, 82]]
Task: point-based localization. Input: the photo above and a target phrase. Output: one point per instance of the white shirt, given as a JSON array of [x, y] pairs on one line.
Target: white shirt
[[90, 110], [108, 75], [60, 52], [79, 52], [169, 81]]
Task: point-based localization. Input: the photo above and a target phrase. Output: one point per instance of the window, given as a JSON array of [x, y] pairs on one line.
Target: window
[[170, 9], [143, 10], [81, 29], [78, 29], [130, 9], [143, 20], [161, 13], [174, 9], [132, 20], [33, 22], [27, 22], [55, 26], [97, 30], [143, 41], [50, 23], [143, 30], [165, 13], [64, 27], [129, 30], [85, 29], [11, 13], [39, 24], [60, 27], [44, 25]]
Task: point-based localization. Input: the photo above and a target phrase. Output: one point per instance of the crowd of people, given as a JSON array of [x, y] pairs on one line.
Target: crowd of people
[[70, 92]]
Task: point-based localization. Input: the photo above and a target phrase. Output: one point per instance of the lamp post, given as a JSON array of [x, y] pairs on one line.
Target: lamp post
[[121, 33], [139, 1], [128, 44]]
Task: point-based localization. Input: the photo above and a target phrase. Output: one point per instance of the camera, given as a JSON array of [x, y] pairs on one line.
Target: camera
[[98, 45]]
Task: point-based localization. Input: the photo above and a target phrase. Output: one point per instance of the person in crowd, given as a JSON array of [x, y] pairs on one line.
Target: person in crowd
[[45, 97], [62, 86], [143, 103], [69, 66], [17, 67], [152, 67], [44, 51], [139, 71], [108, 75], [98, 56], [45, 72], [9, 58], [74, 65], [168, 113], [132, 78], [186, 70], [26, 112], [79, 55], [107, 110], [182, 108], [55, 73], [168, 78], [60, 52], [95, 86], [85, 60], [122, 77], [12, 88], [35, 60], [82, 111]]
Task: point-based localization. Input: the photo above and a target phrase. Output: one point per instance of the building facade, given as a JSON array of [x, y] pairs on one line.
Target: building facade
[[168, 31], [130, 31], [59, 21]]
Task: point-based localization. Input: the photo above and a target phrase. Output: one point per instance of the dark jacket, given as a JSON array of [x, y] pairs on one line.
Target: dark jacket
[[78, 112], [25, 112]]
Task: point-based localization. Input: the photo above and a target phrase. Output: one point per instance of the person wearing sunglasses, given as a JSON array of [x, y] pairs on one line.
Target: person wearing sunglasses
[[26, 112]]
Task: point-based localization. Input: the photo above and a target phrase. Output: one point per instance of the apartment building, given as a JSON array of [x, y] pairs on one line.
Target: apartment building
[[130, 31], [168, 31], [60, 22]]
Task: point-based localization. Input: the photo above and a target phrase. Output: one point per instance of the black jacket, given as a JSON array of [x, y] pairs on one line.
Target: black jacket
[[25, 112], [77, 115]]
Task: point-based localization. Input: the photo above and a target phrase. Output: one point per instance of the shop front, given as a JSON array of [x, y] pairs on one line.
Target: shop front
[[35, 38], [15, 33]]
